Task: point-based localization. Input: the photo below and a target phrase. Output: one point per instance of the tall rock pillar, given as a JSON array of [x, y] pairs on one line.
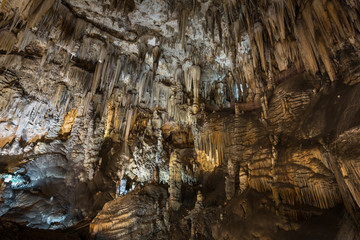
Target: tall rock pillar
[[175, 180]]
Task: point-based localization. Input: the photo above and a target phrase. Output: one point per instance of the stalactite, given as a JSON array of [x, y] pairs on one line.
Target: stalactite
[[280, 57], [107, 74], [12, 61], [305, 47], [80, 28], [324, 54], [97, 76], [237, 33], [59, 95], [226, 15], [333, 14], [38, 9], [322, 18], [73, 28], [343, 17], [355, 20], [24, 38], [112, 76], [213, 19], [80, 76], [272, 21], [210, 21], [156, 57], [143, 84], [254, 50], [16, 20], [179, 75], [183, 21], [290, 5], [89, 49], [128, 124], [280, 14], [308, 19], [7, 40], [193, 81], [211, 146], [218, 24], [3, 4], [258, 32]]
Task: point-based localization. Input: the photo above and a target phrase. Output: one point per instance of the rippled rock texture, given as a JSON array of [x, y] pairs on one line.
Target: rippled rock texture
[[139, 119], [141, 214]]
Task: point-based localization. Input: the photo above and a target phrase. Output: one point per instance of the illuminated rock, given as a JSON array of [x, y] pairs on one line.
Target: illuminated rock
[[253, 104]]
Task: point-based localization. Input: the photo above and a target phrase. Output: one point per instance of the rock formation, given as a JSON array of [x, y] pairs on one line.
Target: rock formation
[[202, 119]]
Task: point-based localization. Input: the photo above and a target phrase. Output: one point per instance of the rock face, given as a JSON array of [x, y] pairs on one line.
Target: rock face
[[188, 119], [141, 214]]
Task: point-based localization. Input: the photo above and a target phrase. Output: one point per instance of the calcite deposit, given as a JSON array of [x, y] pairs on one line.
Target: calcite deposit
[[189, 119]]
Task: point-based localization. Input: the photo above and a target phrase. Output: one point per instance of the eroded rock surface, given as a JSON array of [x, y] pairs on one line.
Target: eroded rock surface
[[190, 119]]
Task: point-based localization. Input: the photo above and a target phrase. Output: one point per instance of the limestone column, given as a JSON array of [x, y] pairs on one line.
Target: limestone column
[[175, 181], [230, 180], [194, 215]]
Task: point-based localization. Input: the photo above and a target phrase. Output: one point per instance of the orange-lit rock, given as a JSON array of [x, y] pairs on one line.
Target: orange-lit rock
[[68, 123]]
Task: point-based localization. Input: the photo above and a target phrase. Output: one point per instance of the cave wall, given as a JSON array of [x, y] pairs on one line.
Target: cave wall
[[190, 109]]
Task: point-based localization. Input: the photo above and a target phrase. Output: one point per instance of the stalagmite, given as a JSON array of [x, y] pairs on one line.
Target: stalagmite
[[243, 180], [220, 95], [175, 181], [230, 180], [194, 215]]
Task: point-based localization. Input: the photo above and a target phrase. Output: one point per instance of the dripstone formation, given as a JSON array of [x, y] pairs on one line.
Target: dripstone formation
[[189, 119]]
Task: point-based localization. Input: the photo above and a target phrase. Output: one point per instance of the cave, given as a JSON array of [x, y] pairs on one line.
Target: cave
[[180, 119]]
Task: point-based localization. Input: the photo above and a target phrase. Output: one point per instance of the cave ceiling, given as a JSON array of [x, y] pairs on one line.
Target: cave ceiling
[[155, 119]]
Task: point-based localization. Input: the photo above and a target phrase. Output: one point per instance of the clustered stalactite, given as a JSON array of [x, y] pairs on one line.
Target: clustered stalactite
[[258, 34], [172, 92]]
